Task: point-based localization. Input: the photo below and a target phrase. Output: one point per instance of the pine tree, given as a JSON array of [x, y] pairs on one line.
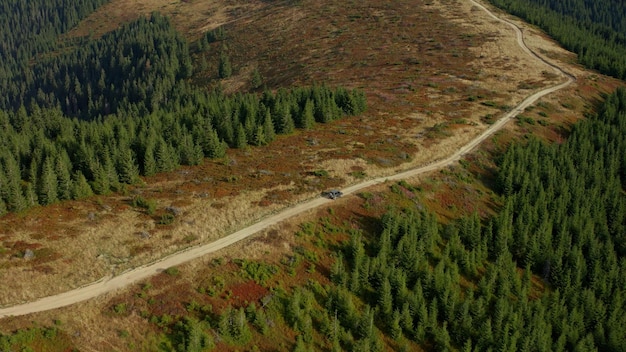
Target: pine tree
[[394, 328], [127, 167], [3, 207], [63, 170], [47, 184], [338, 273], [467, 346], [366, 323], [215, 147], [149, 161], [307, 119], [240, 138], [442, 338], [110, 172], [194, 339], [406, 320], [166, 159], [30, 194], [80, 186], [259, 136], [300, 345], [12, 191], [268, 127], [386, 299], [100, 183], [190, 152], [283, 120], [224, 70], [234, 326], [256, 81]]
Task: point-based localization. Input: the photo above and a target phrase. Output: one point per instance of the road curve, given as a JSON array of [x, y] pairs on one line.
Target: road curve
[[109, 284]]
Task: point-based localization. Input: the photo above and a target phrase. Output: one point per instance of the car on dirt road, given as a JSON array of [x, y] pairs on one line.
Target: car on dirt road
[[333, 194]]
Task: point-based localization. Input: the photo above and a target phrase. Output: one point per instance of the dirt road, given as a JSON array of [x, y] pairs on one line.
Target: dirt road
[[109, 284]]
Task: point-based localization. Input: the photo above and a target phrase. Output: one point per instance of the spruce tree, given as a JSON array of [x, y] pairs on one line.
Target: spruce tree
[[215, 147], [110, 172], [12, 189], [4, 185], [166, 159], [282, 117], [80, 186], [100, 183], [386, 299], [268, 127], [189, 151], [3, 207], [30, 194], [47, 184], [240, 139], [149, 161], [224, 68], [307, 119], [256, 80], [63, 170], [259, 136], [127, 167]]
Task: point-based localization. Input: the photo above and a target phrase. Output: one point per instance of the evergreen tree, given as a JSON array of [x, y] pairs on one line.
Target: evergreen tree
[[395, 329], [166, 159], [30, 194], [80, 186], [259, 136], [3, 207], [193, 338], [215, 147], [47, 183], [100, 183], [224, 68], [190, 152], [282, 119], [63, 170], [268, 126], [386, 299], [127, 166], [240, 138], [108, 168], [12, 191], [256, 80], [307, 119]]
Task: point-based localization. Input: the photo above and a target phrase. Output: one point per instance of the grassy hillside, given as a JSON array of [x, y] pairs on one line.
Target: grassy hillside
[[435, 74], [387, 271]]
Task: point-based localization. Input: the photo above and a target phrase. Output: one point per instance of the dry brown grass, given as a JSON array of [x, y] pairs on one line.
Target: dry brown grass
[[191, 17], [418, 65]]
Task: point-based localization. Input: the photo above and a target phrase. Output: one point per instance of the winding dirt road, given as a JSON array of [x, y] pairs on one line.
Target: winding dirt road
[[109, 284]]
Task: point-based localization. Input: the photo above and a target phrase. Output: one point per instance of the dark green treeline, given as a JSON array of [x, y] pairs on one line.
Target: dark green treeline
[[45, 156]]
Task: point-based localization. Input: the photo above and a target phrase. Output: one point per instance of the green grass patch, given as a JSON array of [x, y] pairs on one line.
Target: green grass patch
[[258, 271], [149, 205]]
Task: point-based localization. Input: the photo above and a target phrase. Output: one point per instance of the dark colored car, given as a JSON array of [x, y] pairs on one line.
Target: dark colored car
[[333, 193]]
